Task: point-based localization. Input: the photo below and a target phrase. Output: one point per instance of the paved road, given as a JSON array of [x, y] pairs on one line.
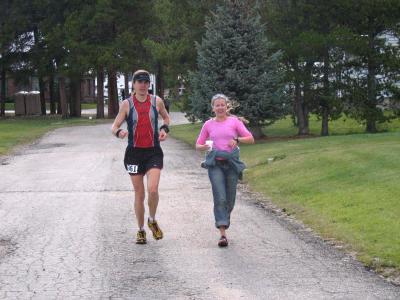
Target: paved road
[[67, 231]]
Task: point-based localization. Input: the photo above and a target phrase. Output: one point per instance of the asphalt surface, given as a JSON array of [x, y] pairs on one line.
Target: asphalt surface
[[67, 231]]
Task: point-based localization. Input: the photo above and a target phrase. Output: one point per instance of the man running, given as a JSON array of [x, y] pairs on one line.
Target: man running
[[143, 155]]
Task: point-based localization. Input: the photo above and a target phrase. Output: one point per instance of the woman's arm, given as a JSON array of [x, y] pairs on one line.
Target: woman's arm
[[245, 139], [243, 134], [203, 147], [201, 143]]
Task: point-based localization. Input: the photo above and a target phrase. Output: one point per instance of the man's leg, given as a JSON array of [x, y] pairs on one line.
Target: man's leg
[[138, 185], [153, 179]]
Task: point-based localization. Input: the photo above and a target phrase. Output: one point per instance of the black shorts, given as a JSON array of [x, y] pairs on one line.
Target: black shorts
[[138, 161]]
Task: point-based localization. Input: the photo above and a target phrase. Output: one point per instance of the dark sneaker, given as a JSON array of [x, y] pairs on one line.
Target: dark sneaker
[[155, 229], [223, 241], [141, 237]]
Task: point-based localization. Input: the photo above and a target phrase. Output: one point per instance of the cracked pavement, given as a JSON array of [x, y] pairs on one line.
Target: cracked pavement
[[67, 231]]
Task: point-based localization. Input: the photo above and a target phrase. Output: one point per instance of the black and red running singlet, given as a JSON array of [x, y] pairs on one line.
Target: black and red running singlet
[[143, 123]]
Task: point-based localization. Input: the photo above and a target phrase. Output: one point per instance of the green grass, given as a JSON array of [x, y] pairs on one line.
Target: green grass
[[88, 106], [17, 131], [346, 187], [174, 106], [10, 106], [342, 126]]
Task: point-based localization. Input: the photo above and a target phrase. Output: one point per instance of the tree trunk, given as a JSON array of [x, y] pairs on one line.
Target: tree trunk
[[256, 131], [63, 98], [159, 81], [301, 111], [126, 86], [371, 102], [38, 69], [113, 105], [299, 106], [325, 121], [42, 98], [59, 108], [77, 97], [371, 126], [100, 93], [3, 92], [325, 100], [72, 96], [52, 95]]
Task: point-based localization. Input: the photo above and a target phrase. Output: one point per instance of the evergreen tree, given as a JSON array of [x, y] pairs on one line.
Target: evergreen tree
[[234, 58], [6, 37], [107, 38], [171, 43], [372, 76], [288, 22]]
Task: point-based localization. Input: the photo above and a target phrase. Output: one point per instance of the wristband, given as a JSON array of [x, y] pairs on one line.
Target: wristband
[[117, 133], [237, 140], [165, 127]]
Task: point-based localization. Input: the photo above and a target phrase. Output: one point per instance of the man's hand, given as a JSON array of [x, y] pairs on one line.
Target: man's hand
[[162, 135], [122, 134]]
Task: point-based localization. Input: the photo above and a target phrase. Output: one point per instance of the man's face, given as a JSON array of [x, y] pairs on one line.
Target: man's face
[[141, 87]]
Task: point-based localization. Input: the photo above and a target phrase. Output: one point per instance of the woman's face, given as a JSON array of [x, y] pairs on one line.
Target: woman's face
[[220, 107]]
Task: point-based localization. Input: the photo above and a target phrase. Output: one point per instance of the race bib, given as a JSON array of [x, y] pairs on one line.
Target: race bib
[[133, 169]]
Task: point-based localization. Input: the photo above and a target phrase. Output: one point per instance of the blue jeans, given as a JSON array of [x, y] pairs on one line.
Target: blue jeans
[[223, 180]]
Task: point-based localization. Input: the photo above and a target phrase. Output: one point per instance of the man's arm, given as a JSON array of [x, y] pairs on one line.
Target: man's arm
[[119, 119], [165, 116], [163, 111]]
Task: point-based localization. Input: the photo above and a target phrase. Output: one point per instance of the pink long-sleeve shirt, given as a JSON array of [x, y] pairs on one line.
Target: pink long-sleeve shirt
[[221, 132]]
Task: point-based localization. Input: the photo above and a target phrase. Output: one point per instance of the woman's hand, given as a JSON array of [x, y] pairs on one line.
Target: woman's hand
[[203, 147], [233, 143]]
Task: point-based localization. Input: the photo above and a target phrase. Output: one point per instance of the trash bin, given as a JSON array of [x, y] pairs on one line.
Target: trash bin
[[27, 104], [33, 104], [20, 103]]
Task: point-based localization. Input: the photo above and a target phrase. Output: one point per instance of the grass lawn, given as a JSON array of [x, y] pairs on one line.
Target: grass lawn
[[16, 131], [174, 106], [88, 106], [346, 186], [11, 106]]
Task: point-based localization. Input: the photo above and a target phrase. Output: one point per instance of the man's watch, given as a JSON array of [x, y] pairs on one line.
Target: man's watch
[[165, 127], [237, 140]]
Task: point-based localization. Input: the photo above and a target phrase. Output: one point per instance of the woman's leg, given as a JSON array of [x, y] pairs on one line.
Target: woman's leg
[[231, 185], [217, 179]]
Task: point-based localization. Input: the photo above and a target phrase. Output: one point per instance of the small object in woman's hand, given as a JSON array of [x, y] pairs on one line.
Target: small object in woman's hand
[[209, 143]]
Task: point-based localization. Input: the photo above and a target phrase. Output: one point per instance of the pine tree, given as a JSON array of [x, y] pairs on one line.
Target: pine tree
[[235, 58], [371, 79]]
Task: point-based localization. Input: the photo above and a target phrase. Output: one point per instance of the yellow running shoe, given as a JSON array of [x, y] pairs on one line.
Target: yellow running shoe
[[141, 237], [155, 229]]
